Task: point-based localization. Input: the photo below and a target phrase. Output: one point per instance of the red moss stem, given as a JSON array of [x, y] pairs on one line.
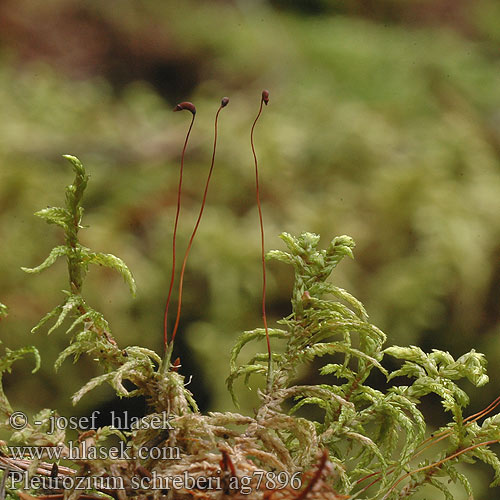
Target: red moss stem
[[264, 100], [189, 107], [432, 440], [223, 104], [439, 463]]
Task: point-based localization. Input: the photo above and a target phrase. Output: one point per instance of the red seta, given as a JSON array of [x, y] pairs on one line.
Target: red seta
[[264, 100], [223, 104], [190, 107]]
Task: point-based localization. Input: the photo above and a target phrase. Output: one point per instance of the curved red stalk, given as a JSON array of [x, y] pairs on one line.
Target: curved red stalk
[[264, 100], [438, 463], [482, 413], [432, 440], [223, 104], [189, 107]]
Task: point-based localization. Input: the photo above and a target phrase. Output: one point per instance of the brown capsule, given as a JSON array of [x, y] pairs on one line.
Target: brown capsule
[[186, 105], [224, 102], [265, 97]]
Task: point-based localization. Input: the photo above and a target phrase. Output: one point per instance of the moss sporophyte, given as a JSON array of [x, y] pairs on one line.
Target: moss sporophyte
[[368, 443]]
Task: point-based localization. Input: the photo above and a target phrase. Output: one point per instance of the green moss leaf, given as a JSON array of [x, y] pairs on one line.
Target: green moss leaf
[[109, 260], [53, 256]]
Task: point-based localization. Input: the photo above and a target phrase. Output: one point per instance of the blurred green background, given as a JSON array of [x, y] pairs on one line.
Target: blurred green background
[[384, 124]]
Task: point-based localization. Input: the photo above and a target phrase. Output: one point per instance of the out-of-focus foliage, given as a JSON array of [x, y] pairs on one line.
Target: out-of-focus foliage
[[380, 125]]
